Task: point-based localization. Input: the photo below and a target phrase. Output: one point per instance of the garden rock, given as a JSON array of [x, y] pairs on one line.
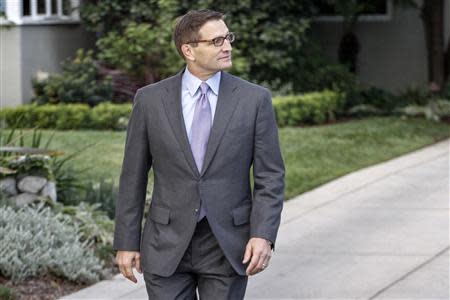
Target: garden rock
[[32, 184], [23, 199], [49, 190], [8, 186]]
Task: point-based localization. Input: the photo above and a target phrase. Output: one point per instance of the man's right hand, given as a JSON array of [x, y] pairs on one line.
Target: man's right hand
[[126, 260]]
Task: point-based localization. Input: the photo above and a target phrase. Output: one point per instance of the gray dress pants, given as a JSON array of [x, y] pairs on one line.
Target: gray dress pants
[[204, 271]]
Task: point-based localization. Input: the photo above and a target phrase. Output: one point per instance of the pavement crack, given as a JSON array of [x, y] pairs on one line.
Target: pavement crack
[[409, 273]]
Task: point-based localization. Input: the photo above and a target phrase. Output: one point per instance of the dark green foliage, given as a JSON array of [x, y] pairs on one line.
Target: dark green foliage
[[446, 91], [67, 116], [415, 96], [80, 81], [311, 108], [6, 293], [270, 36]]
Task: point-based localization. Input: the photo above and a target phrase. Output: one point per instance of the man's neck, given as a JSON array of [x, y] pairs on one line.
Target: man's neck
[[200, 74]]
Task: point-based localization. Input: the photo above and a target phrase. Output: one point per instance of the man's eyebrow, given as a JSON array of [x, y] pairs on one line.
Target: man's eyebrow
[[221, 35]]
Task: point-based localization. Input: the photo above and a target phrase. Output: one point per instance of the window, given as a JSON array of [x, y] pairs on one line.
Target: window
[[40, 11], [54, 7], [26, 8], [2, 7], [40, 7], [380, 10]]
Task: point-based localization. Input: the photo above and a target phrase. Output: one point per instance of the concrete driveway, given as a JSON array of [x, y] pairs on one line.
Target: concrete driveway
[[379, 233]]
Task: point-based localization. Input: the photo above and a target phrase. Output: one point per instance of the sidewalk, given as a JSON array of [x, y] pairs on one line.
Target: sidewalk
[[379, 233]]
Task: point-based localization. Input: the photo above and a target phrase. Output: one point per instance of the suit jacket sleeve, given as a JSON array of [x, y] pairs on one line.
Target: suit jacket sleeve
[[133, 181], [268, 173]]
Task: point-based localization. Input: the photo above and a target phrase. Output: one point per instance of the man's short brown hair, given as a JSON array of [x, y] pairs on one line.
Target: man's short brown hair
[[187, 26]]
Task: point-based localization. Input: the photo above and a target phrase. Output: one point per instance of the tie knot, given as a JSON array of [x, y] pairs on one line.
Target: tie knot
[[204, 88]]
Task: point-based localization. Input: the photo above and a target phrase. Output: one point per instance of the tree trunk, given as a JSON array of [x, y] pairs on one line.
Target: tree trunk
[[433, 20], [447, 63]]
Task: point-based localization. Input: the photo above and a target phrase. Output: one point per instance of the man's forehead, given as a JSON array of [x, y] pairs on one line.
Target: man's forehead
[[213, 28]]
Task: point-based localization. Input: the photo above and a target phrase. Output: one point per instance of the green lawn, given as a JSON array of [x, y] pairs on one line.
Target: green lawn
[[313, 155]]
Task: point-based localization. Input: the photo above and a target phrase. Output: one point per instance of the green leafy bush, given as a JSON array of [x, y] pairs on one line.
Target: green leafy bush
[[310, 108], [80, 81], [383, 101], [94, 224], [67, 116], [435, 110], [446, 91], [6, 293], [413, 95], [315, 107], [35, 240], [110, 116], [103, 193], [323, 76]]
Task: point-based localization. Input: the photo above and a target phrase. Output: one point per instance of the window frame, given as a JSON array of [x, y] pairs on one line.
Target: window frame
[[364, 17], [14, 13]]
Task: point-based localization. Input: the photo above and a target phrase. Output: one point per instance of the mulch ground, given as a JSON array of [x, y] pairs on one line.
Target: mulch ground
[[46, 287]]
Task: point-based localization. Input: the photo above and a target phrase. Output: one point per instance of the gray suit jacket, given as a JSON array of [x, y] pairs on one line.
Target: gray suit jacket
[[244, 132]]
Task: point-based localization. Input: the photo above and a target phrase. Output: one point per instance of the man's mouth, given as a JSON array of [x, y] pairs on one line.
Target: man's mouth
[[225, 57]]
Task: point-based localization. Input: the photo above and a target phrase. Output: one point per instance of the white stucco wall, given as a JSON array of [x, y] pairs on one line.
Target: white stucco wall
[[392, 54]]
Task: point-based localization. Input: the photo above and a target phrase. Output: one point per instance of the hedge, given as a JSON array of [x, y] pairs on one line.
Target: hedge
[[310, 108], [67, 116]]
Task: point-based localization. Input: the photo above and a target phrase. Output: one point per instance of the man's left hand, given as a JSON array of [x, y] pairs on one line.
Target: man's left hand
[[259, 250]]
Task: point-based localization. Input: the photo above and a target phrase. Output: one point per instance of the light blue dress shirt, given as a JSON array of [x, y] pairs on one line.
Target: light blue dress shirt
[[190, 93]]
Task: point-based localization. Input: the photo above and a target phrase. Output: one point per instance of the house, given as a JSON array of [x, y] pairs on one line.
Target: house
[[36, 35], [392, 55]]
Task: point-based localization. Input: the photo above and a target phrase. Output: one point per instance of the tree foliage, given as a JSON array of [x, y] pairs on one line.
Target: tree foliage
[[136, 34]]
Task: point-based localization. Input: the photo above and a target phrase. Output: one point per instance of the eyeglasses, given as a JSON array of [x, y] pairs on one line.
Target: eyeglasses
[[218, 41]]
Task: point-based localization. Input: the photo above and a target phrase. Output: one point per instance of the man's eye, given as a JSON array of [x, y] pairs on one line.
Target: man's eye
[[218, 40]]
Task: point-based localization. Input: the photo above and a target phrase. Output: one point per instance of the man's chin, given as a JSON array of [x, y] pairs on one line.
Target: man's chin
[[226, 65]]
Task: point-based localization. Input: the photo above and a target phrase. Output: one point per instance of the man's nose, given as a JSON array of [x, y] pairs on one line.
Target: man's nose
[[227, 45]]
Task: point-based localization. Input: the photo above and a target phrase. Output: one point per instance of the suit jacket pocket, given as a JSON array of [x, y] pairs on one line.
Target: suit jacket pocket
[[159, 214], [241, 214]]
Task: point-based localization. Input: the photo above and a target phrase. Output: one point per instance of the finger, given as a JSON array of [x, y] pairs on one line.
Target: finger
[[119, 263], [129, 271], [265, 262], [262, 260], [253, 263], [248, 253], [137, 261]]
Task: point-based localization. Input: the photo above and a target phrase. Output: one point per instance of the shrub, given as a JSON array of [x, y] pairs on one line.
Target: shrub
[[103, 193], [94, 224], [446, 91], [107, 115], [310, 108], [67, 116], [36, 240], [334, 77], [377, 101], [6, 293], [414, 96], [80, 81]]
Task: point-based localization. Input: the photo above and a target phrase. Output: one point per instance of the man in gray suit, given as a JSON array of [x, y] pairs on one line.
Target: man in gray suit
[[201, 131]]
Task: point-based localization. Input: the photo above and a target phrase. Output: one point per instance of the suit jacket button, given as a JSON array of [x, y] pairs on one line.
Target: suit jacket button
[[196, 210]]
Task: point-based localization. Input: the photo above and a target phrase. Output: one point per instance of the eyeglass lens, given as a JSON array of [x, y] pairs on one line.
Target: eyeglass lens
[[219, 41]]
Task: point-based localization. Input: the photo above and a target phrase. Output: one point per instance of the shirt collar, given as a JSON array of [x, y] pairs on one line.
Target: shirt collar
[[192, 83]]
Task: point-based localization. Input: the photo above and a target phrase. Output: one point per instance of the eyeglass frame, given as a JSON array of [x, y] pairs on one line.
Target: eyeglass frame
[[229, 36]]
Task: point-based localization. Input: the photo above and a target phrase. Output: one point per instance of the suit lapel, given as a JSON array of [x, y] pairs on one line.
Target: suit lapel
[[226, 105], [174, 111]]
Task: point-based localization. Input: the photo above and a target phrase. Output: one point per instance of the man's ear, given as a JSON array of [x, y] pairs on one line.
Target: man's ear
[[187, 52]]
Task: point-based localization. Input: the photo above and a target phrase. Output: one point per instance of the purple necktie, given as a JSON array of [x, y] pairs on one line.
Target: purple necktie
[[200, 129]]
